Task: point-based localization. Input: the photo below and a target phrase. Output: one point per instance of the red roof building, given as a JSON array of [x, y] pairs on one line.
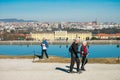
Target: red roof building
[[107, 36]]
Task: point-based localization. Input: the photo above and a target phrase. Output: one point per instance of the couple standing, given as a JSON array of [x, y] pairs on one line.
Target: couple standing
[[74, 55]]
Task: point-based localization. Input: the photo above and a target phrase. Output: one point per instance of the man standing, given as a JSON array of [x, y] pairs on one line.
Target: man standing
[[44, 46], [84, 53], [74, 55]]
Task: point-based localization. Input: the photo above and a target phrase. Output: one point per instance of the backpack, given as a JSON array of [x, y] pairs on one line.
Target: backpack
[[70, 49]]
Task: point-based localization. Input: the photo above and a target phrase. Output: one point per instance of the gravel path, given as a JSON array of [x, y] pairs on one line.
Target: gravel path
[[25, 69]]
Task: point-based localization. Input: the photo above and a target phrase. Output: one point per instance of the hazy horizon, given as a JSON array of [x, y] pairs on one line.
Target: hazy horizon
[[61, 10]]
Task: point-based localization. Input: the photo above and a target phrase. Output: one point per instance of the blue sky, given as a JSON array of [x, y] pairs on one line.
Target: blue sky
[[62, 10]]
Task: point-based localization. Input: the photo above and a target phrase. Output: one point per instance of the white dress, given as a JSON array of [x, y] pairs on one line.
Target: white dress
[[44, 47]]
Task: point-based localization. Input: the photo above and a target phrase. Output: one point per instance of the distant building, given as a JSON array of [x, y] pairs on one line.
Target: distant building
[[39, 36], [81, 35], [107, 36], [62, 35]]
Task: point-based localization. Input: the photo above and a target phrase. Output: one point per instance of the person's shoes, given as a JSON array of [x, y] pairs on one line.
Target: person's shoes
[[83, 69], [70, 72], [42, 59], [78, 71]]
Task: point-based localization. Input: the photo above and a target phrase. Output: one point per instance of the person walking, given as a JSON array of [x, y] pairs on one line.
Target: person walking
[[44, 46], [84, 53], [74, 55]]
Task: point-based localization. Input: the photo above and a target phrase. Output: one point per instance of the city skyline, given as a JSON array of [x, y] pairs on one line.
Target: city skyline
[[61, 10]]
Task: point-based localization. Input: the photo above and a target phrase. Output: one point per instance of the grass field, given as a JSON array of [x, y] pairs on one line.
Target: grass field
[[53, 59]]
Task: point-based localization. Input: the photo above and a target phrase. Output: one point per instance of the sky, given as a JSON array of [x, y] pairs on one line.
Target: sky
[[61, 10]]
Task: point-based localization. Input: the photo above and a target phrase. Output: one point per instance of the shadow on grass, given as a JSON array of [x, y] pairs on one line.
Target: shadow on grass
[[39, 56]]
